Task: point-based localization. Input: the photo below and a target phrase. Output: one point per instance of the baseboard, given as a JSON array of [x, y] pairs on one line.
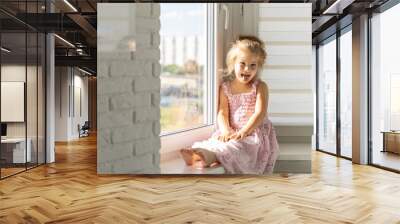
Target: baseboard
[[292, 166], [294, 130], [294, 139]]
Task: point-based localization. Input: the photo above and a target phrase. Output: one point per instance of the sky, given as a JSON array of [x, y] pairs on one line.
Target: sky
[[183, 19]]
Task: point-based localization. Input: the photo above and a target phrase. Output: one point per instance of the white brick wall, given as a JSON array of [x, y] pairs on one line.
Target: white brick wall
[[128, 89]]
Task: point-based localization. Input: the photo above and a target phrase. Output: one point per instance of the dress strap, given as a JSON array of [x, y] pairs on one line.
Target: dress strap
[[226, 88], [254, 85]]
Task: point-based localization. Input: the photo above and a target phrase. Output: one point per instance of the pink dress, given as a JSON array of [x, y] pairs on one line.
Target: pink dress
[[254, 154]]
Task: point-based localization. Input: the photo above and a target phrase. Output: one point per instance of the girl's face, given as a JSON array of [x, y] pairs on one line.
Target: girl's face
[[246, 66]]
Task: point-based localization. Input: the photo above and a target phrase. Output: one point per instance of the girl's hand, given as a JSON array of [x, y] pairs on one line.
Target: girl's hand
[[238, 135], [225, 135]]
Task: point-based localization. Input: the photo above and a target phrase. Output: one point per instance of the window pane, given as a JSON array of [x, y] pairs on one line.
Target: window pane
[[386, 89], [41, 98], [14, 153], [31, 100], [327, 97], [183, 63], [346, 94]]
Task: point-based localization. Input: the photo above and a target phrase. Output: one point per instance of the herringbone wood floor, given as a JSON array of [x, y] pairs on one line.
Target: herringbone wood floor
[[70, 191]]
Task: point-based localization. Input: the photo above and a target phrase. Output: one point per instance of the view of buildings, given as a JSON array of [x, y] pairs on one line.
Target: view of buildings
[[182, 62]]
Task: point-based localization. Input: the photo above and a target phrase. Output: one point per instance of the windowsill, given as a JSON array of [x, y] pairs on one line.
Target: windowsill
[[172, 143], [293, 158], [182, 131]]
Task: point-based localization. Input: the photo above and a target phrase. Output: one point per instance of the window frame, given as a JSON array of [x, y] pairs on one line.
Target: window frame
[[209, 85], [371, 16], [345, 30], [334, 37]]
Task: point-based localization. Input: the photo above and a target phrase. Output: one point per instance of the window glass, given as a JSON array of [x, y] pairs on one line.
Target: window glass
[[385, 87], [346, 94], [327, 96], [183, 66]]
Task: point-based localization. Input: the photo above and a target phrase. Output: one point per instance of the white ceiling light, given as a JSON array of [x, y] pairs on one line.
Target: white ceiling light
[[337, 7], [86, 72], [132, 45], [5, 50], [70, 5], [132, 48], [65, 41]]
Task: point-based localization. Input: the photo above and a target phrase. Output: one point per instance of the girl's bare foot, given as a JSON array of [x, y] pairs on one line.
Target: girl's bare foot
[[187, 155], [207, 158], [215, 164], [199, 158]]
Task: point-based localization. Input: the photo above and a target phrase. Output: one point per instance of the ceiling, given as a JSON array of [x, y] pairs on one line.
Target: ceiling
[[77, 26], [77, 23]]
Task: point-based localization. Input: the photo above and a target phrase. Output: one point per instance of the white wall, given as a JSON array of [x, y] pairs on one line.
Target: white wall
[[80, 83], [128, 88], [61, 103], [33, 125], [17, 73], [226, 35], [67, 79], [14, 73], [286, 31]]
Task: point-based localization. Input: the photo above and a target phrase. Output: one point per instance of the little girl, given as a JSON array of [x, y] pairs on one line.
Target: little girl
[[245, 142]]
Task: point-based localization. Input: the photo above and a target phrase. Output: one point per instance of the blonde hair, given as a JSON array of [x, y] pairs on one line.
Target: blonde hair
[[250, 43]]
